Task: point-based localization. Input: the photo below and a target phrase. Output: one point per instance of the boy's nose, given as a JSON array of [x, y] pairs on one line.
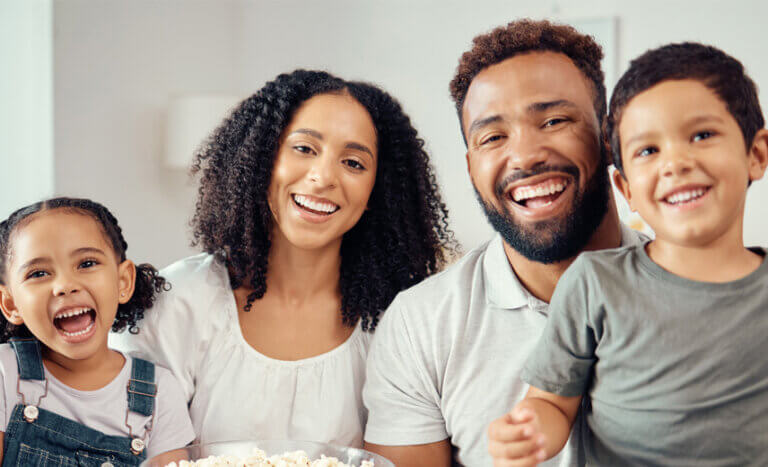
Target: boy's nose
[[678, 163]]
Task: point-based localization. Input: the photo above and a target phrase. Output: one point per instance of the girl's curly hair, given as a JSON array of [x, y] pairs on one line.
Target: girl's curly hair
[[402, 238], [148, 281]]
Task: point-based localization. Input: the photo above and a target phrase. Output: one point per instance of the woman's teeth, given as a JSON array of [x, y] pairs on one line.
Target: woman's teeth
[[305, 202], [683, 196]]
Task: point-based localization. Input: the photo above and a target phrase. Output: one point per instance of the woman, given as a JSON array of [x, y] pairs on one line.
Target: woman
[[316, 206]]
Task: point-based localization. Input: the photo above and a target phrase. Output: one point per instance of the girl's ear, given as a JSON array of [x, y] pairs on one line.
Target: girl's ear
[[8, 307], [623, 187], [758, 155], [126, 275]]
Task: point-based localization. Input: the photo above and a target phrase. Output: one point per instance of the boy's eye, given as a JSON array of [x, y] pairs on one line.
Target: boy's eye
[[645, 152], [702, 135], [88, 263]]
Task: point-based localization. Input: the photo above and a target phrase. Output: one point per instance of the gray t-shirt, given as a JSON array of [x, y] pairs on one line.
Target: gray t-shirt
[[675, 370], [103, 409]]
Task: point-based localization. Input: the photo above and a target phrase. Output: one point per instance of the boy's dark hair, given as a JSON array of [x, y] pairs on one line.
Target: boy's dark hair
[[525, 36], [402, 238], [148, 281], [715, 69]]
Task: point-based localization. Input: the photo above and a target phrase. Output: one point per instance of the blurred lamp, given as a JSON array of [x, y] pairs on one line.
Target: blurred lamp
[[191, 119]]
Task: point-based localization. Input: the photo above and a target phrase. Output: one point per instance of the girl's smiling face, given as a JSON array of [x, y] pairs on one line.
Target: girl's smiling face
[[64, 282], [686, 165], [324, 171]]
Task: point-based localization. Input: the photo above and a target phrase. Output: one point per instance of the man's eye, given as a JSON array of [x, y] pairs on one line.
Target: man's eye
[[554, 121], [645, 152], [491, 139], [702, 135]]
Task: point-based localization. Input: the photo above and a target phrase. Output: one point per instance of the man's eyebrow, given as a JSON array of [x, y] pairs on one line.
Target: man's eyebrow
[[544, 106], [477, 124], [309, 132], [360, 147]]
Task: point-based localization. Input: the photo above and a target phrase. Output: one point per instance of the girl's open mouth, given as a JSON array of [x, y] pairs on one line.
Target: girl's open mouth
[[75, 324]]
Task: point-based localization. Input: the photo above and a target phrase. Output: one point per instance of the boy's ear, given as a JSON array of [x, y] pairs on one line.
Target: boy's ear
[[758, 155], [8, 307], [623, 187], [126, 272]]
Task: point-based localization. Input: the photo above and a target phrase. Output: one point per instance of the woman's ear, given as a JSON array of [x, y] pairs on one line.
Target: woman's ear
[[8, 307], [758, 155], [623, 187], [126, 272]]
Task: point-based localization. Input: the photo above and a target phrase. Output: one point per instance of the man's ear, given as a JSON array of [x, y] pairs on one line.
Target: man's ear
[[623, 187], [126, 272], [8, 307], [758, 155]]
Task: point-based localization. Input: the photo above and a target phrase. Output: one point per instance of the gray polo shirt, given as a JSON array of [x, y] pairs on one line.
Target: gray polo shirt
[[446, 358]]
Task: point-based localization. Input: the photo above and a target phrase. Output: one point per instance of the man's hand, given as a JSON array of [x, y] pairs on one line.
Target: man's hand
[[515, 440]]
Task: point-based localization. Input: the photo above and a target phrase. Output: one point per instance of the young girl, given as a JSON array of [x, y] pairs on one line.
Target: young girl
[[65, 397]]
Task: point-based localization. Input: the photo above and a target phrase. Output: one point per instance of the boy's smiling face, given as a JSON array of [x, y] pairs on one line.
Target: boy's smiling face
[[686, 164]]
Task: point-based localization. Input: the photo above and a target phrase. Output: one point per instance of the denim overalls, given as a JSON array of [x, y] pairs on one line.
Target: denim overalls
[[38, 437]]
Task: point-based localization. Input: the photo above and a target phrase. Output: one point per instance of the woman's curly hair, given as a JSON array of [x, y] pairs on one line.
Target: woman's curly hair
[[402, 238], [148, 281]]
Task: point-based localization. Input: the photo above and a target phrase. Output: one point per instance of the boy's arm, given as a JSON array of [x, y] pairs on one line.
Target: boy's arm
[[536, 429], [422, 455]]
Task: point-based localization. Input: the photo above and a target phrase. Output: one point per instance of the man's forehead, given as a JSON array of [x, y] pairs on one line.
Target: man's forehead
[[520, 81]]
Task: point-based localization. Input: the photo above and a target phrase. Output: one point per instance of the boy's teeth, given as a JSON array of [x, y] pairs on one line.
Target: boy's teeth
[[314, 205], [683, 196], [523, 193]]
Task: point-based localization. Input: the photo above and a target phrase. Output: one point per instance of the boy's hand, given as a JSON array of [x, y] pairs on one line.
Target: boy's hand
[[515, 440]]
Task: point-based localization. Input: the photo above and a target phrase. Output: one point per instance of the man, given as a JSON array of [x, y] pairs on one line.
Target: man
[[446, 357]]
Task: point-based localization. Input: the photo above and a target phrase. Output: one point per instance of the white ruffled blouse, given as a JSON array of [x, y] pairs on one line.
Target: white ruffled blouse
[[235, 392]]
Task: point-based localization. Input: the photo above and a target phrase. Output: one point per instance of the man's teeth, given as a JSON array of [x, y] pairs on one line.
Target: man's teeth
[[304, 201], [71, 313], [79, 333], [683, 196], [523, 193]]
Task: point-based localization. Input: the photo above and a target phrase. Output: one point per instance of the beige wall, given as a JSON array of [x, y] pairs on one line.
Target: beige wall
[[117, 63]]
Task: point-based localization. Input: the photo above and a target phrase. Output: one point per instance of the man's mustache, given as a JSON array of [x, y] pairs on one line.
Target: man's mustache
[[501, 187]]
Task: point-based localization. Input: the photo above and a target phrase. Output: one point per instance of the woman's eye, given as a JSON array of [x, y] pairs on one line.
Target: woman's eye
[[701, 135], [89, 263], [304, 149], [353, 164], [645, 152]]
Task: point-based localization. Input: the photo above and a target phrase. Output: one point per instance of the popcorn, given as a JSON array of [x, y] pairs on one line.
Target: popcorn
[[259, 459]]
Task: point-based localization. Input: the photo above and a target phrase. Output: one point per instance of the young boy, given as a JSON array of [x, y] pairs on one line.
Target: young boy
[[669, 340]]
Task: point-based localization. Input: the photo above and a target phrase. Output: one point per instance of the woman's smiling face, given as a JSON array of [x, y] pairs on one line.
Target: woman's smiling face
[[324, 171]]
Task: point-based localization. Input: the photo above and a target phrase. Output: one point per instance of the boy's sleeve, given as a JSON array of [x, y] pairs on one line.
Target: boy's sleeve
[[401, 397], [172, 427], [561, 362]]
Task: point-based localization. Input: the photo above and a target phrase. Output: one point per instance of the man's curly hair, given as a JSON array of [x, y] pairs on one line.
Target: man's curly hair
[[402, 238], [148, 281], [525, 36]]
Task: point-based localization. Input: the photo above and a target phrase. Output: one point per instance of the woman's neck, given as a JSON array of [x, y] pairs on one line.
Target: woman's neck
[[296, 275], [88, 374]]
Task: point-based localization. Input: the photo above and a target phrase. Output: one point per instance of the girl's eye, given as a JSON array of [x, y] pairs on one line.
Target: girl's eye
[[36, 274], [702, 135], [89, 263], [304, 149], [645, 152], [354, 164]]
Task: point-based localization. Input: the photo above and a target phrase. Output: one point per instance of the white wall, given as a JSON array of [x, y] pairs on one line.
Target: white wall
[[26, 103], [117, 63]]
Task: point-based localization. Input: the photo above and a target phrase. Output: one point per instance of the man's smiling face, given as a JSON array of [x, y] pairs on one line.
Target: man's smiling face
[[534, 154]]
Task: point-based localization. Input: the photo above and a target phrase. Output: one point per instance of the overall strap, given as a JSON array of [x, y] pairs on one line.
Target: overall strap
[[29, 358], [142, 388]]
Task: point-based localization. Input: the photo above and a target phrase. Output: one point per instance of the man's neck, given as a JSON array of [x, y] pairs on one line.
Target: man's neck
[[540, 279]]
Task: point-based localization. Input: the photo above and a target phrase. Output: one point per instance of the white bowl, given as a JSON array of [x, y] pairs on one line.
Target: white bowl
[[352, 456]]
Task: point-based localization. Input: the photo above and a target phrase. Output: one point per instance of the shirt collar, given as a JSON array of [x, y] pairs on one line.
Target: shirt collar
[[504, 289]]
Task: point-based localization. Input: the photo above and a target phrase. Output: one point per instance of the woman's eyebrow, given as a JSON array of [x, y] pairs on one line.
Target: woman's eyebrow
[[310, 132], [360, 147]]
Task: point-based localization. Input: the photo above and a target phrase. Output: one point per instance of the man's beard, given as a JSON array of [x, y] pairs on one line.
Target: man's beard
[[553, 240]]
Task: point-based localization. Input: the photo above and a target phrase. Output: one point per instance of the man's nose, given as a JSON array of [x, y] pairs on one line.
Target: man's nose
[[524, 150]]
